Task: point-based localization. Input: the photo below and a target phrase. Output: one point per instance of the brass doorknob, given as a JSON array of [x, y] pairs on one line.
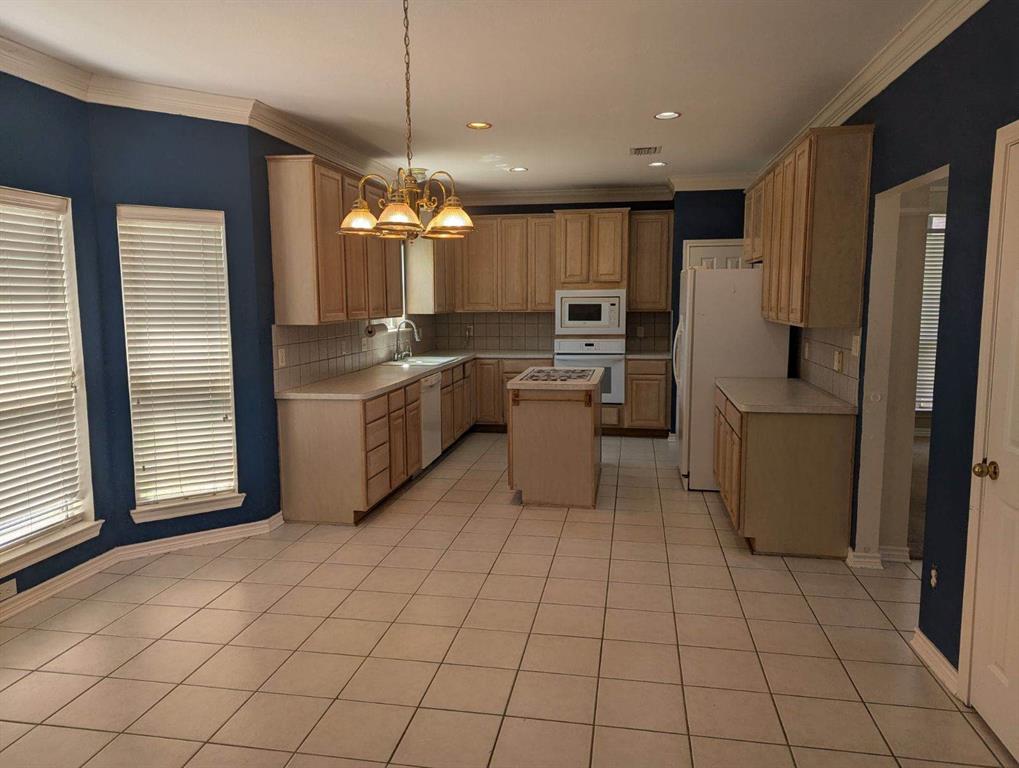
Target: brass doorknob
[[987, 469]]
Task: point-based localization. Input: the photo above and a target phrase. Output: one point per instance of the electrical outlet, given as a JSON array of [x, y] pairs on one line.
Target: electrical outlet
[[364, 343], [934, 577], [469, 330], [281, 357], [8, 589], [640, 331], [839, 362], [806, 350]]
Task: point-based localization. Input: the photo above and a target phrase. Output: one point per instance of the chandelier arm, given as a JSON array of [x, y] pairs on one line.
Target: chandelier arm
[[427, 196], [452, 182], [364, 180]]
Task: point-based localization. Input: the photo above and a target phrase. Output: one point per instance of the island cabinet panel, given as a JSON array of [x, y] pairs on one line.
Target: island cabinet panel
[[489, 391], [786, 477], [541, 263], [814, 219], [649, 286], [512, 250], [592, 247], [479, 267], [647, 394]]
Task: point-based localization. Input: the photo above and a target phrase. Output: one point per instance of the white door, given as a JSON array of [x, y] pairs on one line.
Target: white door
[[713, 254], [994, 681]]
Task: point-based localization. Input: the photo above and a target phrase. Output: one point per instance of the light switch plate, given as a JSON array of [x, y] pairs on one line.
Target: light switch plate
[[806, 350], [839, 363], [281, 357], [8, 589], [856, 345], [364, 343]]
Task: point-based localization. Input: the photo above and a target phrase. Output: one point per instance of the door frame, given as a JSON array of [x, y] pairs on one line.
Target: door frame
[[889, 373], [992, 268]]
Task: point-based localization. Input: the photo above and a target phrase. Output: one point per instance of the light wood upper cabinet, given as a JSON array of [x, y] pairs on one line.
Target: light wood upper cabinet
[[430, 278], [591, 247], [376, 263], [479, 267], [355, 254], [649, 287], [512, 258], [541, 263], [814, 208], [332, 295], [393, 250]]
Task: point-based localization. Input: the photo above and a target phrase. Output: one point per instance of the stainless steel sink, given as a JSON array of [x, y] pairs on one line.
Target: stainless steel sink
[[424, 360]]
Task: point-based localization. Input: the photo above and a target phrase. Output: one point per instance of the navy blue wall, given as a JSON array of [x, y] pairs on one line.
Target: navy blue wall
[[104, 156], [945, 110]]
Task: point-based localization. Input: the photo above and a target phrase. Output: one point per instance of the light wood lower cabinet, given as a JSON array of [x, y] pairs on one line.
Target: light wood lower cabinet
[[786, 478], [488, 385], [647, 394], [446, 415], [413, 437]]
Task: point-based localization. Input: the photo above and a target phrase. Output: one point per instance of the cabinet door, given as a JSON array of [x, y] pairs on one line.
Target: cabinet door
[[459, 408], [329, 203], [573, 251], [645, 401], [717, 455], [355, 257], [734, 479], [470, 400], [413, 437], [800, 226], [376, 259], [480, 266], [767, 203], [775, 237], [512, 263], [609, 246], [757, 222], [446, 416], [394, 277], [785, 241], [541, 263], [489, 397], [440, 263], [649, 287], [454, 275], [397, 447], [748, 219]]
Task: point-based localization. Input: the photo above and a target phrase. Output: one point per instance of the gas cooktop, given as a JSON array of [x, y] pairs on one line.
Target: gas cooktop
[[559, 374]]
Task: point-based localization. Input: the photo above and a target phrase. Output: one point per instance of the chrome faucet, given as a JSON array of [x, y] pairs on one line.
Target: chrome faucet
[[398, 355]]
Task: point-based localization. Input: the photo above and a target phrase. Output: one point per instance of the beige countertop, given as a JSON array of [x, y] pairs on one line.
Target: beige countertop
[[773, 395], [521, 382]]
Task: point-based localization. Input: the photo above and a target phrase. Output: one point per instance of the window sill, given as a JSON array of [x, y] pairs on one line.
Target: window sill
[[31, 552], [165, 510]]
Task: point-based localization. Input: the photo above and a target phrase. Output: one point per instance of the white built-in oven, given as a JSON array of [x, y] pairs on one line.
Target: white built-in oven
[[607, 354], [590, 313]]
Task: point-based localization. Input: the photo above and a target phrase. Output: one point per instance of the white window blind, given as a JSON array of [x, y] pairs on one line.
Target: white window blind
[[929, 311], [45, 477], [180, 371]]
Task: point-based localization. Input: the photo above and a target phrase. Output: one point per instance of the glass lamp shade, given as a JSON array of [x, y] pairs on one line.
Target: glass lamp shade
[[433, 234], [360, 220], [399, 217], [451, 219]]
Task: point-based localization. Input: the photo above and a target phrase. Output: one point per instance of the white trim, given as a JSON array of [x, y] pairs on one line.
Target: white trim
[[164, 510], [895, 555], [935, 661], [50, 72], [159, 213], [856, 559], [62, 581], [39, 200], [53, 543], [571, 195], [932, 24], [710, 181]]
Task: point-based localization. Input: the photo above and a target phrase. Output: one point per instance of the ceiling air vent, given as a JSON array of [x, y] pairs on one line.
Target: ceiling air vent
[[642, 151]]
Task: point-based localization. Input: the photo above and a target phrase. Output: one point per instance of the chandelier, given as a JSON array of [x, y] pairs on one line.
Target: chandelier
[[412, 193]]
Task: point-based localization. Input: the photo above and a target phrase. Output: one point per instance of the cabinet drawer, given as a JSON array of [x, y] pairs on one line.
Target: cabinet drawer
[[376, 433], [458, 373], [413, 392], [377, 460], [378, 486], [447, 377], [734, 417], [396, 400], [376, 408], [647, 366]]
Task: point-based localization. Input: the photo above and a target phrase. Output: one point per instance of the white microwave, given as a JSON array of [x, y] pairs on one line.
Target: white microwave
[[591, 313]]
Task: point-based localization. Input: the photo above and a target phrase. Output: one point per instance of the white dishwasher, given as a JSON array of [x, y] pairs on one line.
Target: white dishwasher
[[431, 418]]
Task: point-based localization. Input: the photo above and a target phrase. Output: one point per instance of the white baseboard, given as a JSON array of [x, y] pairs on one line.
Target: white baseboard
[[939, 666], [864, 559], [895, 555], [62, 581]]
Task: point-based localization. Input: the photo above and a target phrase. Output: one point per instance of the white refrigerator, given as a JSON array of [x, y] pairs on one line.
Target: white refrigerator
[[720, 334]]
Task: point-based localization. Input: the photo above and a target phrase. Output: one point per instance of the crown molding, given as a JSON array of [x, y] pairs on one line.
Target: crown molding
[[932, 24], [45, 70], [572, 195], [710, 181]]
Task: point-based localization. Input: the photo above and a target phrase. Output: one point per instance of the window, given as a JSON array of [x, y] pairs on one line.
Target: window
[[179, 364], [45, 475], [929, 311]]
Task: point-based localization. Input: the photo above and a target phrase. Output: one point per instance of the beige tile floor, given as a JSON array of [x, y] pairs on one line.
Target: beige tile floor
[[456, 628]]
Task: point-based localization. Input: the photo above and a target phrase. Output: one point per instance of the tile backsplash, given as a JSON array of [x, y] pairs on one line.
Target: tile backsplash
[[495, 331], [311, 353], [816, 359], [648, 331]]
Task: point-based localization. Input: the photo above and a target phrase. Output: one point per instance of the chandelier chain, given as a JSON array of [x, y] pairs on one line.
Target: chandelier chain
[[406, 63]]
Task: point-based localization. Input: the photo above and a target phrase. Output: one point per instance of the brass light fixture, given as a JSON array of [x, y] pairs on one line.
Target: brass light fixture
[[413, 192]]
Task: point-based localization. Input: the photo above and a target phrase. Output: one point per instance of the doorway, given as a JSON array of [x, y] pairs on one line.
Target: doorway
[[897, 401]]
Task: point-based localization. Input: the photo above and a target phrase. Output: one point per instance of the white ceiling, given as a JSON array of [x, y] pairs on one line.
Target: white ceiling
[[569, 84]]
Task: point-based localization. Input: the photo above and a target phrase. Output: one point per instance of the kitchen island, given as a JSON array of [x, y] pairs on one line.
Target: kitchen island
[[554, 425]]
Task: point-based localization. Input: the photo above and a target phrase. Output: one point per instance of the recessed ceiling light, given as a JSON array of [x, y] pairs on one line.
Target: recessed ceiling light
[[479, 125], [657, 164], [517, 169], [667, 115]]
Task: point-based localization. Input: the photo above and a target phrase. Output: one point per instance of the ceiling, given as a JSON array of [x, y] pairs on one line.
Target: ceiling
[[570, 85]]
